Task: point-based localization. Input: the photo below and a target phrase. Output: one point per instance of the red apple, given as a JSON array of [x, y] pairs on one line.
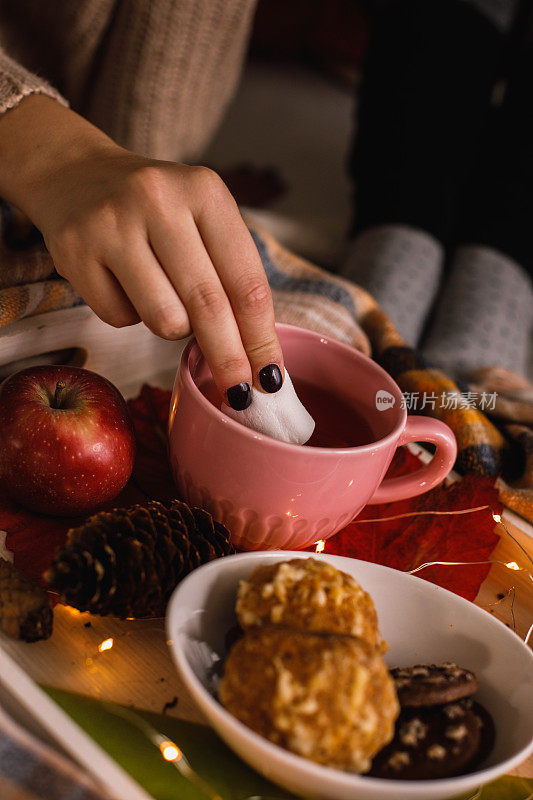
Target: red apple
[[66, 439]]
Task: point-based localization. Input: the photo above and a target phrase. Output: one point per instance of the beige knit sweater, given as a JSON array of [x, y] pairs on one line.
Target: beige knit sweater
[[156, 75]]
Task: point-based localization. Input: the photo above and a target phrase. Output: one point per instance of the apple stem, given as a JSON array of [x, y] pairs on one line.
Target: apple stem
[[56, 402]]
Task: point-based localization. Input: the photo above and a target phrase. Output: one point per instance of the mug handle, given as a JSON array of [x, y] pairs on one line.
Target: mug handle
[[420, 429]]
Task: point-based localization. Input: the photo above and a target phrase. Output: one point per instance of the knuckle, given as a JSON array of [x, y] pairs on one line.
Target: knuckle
[[206, 300], [254, 299], [267, 350], [206, 176], [209, 185], [230, 365]]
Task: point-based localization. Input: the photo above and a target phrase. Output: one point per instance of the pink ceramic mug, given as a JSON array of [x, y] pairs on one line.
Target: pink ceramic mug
[[271, 494]]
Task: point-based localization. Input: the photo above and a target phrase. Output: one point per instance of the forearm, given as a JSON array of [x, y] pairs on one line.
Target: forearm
[[39, 138]]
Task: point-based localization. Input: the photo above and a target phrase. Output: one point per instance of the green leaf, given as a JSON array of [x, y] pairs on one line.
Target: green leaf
[[133, 750], [209, 757]]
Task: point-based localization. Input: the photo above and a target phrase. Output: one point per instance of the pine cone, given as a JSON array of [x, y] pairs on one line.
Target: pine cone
[[25, 611], [126, 562]]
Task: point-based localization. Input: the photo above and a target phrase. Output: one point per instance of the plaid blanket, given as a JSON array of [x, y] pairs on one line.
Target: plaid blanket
[[492, 416]]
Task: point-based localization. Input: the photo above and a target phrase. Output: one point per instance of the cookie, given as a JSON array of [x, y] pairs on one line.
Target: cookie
[[488, 734], [307, 595], [438, 742], [327, 697], [432, 684]]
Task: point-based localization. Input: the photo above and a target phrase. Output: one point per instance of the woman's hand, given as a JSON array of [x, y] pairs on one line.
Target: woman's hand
[[148, 240]]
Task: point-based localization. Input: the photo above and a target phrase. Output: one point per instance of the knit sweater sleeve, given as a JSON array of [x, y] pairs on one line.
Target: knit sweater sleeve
[[16, 82]]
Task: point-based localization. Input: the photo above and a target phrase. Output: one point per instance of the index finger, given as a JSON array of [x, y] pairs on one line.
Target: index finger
[[241, 272]]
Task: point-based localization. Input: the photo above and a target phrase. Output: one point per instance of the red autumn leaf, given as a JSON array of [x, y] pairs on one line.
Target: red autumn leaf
[[414, 540], [151, 476], [32, 537]]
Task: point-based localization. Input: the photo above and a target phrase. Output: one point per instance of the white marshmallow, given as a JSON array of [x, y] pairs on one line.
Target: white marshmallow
[[280, 415]]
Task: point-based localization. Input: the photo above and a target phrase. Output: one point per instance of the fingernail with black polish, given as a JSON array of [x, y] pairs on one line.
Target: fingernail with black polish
[[270, 378], [239, 396]]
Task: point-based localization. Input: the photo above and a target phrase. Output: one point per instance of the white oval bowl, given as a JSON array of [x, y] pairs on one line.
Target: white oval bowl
[[421, 623]]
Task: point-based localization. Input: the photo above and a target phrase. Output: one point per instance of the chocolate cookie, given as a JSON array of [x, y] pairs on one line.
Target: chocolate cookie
[[432, 684], [437, 742], [488, 734]]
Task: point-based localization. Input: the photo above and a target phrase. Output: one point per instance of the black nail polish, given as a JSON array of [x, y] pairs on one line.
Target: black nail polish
[[239, 396], [270, 378]]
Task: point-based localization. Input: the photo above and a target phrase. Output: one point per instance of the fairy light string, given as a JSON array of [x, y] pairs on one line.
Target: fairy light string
[[424, 514], [497, 518], [513, 566], [169, 750]]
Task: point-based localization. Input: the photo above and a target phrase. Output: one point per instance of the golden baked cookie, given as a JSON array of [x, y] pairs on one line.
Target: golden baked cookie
[[307, 594], [326, 697]]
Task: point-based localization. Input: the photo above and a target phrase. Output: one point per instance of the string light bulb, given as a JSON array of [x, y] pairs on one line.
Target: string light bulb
[[320, 545], [169, 751], [107, 644], [511, 565]]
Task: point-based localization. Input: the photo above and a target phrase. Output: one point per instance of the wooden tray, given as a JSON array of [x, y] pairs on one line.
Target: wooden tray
[[128, 357]]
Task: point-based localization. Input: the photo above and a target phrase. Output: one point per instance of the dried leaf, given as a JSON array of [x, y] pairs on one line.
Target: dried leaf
[[32, 537], [409, 542], [152, 476]]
